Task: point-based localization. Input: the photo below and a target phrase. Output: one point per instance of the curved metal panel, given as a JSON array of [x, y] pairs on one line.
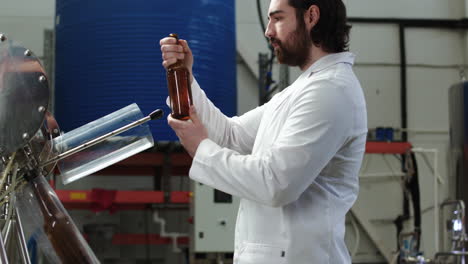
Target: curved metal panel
[[24, 96]]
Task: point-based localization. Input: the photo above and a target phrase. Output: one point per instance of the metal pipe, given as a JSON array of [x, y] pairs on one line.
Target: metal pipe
[[460, 208], [7, 204], [7, 229], [262, 75], [436, 193], [403, 88], [154, 115], [457, 254], [451, 253], [21, 239], [3, 254], [436, 200], [426, 131]]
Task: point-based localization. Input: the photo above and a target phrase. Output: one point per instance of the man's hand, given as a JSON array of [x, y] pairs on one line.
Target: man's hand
[[190, 132], [173, 51]]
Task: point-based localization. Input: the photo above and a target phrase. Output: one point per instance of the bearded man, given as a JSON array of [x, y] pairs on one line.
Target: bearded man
[[293, 161]]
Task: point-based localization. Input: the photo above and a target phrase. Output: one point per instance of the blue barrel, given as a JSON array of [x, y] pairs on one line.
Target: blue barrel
[[108, 56]]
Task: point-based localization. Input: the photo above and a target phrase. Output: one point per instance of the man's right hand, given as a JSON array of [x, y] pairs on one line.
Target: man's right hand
[[173, 51]]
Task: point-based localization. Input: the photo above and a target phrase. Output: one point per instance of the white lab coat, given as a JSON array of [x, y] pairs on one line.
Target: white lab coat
[[294, 163]]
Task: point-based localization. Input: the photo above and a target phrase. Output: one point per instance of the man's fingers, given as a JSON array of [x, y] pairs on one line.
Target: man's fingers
[[167, 40], [169, 62], [185, 46], [170, 55], [171, 44], [194, 115], [176, 124], [179, 136], [172, 48]]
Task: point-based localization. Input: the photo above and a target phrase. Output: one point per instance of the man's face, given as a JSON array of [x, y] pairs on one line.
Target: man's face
[[288, 35]]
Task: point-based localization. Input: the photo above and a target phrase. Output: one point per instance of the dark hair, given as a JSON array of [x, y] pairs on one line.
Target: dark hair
[[331, 32]]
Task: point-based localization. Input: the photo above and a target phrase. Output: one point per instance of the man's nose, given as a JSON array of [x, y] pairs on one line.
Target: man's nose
[[268, 31]]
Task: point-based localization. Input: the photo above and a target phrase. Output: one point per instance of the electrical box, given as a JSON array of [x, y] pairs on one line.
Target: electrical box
[[214, 218]]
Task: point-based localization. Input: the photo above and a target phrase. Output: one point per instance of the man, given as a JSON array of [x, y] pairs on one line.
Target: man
[[294, 161]]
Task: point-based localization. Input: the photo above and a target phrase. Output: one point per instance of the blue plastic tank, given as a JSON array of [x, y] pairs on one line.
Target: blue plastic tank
[[108, 56]]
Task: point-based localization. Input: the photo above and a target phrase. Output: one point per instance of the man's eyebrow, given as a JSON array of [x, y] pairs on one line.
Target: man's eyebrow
[[272, 13]]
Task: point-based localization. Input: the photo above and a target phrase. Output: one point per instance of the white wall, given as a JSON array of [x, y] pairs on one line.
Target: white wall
[[25, 21], [250, 38], [432, 9], [377, 66], [248, 94], [466, 8]]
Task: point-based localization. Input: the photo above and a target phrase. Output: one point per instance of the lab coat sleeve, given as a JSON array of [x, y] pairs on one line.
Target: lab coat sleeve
[[318, 124], [236, 133]]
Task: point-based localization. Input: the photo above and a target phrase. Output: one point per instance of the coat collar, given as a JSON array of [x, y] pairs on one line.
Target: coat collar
[[328, 61]]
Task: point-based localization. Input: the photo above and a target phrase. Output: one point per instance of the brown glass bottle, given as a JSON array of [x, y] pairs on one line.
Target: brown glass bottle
[[178, 84], [64, 236]]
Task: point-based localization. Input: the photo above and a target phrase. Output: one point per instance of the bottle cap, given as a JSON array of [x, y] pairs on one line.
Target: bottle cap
[[174, 35]]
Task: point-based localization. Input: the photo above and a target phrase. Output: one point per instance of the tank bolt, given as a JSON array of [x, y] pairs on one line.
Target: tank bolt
[[41, 109], [2, 37], [27, 53], [42, 78], [25, 136]]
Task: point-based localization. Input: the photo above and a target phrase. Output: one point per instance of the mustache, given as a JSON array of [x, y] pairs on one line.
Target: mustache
[[274, 41]]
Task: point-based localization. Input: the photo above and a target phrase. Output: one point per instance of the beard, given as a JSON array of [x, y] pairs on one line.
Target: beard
[[294, 50]]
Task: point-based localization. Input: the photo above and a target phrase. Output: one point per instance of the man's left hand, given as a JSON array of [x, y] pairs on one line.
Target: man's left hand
[[190, 132]]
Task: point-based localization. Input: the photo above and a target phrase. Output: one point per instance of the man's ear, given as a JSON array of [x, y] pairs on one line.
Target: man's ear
[[312, 16]]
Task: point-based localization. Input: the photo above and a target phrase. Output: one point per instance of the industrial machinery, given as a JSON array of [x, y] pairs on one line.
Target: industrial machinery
[[457, 234], [453, 226], [32, 146], [454, 230]]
